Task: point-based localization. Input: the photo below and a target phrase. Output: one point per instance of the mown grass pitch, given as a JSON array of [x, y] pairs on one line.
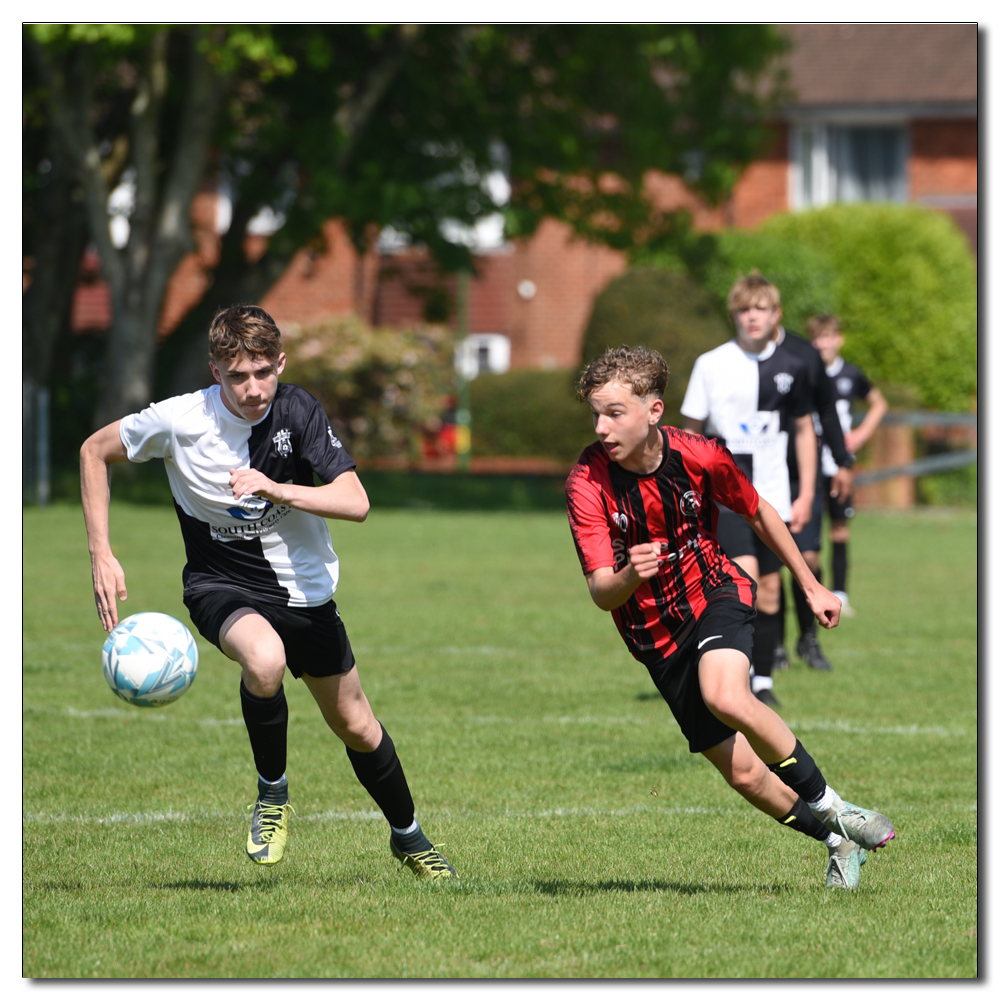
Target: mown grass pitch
[[589, 841]]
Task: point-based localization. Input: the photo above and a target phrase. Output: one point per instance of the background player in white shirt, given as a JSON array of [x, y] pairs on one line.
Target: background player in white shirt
[[261, 571], [752, 393], [850, 384]]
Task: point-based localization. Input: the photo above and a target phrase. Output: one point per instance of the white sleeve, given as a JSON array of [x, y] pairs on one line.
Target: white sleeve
[[695, 403], [149, 433]]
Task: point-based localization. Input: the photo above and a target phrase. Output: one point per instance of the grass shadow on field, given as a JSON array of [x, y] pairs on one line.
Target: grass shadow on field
[[565, 887]]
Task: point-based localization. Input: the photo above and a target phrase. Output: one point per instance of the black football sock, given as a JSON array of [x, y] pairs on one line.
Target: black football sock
[[782, 614], [840, 566], [767, 629], [381, 774], [802, 610], [267, 726], [800, 818], [799, 771]]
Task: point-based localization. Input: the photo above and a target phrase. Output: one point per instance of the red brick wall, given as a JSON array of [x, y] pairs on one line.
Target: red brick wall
[[547, 330], [944, 157], [762, 190]]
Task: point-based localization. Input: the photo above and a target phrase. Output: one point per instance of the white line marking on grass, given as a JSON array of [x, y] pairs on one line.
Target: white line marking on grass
[[115, 713], [843, 726]]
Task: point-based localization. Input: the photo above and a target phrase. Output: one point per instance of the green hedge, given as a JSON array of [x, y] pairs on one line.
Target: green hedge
[[906, 288], [665, 310], [805, 276], [529, 413]]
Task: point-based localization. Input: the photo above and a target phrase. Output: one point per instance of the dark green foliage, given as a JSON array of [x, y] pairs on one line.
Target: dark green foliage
[[531, 413], [906, 285], [664, 310]]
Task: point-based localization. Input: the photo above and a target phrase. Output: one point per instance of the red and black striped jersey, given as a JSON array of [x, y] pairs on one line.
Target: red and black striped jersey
[[612, 509]]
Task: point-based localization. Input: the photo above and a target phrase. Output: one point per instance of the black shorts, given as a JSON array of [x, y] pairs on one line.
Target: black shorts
[[725, 624], [315, 639], [808, 538], [737, 538], [838, 511]]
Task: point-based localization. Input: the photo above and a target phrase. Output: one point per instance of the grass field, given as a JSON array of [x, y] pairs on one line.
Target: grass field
[[591, 844]]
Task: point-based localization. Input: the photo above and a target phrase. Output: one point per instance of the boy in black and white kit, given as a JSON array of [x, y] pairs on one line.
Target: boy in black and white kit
[[261, 570], [752, 394], [849, 384]]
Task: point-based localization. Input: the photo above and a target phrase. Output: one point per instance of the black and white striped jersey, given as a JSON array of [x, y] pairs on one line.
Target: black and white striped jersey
[[750, 402], [274, 552]]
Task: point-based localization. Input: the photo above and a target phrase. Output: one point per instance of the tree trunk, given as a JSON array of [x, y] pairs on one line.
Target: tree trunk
[[160, 229], [61, 236]]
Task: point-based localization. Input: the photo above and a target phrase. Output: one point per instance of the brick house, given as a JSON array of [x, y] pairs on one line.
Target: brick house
[[884, 112]]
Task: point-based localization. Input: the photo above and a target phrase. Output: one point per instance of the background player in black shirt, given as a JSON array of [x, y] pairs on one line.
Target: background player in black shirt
[[837, 484], [849, 384]]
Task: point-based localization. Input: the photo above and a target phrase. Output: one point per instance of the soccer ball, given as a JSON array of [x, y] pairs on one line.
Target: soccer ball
[[150, 659]]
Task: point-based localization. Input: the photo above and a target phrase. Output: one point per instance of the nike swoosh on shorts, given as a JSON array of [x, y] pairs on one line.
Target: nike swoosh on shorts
[[709, 639]]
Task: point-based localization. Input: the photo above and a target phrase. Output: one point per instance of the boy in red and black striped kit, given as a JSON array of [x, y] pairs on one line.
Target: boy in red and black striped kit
[[642, 509]]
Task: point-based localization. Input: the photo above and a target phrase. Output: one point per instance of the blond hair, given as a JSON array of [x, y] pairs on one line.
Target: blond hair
[[753, 289]]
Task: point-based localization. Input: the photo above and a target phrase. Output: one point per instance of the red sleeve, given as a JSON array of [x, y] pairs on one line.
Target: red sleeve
[[588, 516], [730, 485]]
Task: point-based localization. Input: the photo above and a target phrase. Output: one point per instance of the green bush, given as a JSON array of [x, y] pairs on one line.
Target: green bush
[[529, 413], [665, 310], [377, 386], [906, 287], [805, 276]]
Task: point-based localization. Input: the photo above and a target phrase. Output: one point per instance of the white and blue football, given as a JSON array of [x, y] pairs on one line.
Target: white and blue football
[[150, 659]]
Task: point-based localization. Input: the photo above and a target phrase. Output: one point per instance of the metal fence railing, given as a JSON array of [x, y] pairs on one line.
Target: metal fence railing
[[931, 464]]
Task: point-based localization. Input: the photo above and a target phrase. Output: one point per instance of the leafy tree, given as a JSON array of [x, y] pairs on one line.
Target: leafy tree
[[388, 125]]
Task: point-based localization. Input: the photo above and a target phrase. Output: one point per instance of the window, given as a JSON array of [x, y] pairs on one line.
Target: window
[[847, 163], [482, 352]]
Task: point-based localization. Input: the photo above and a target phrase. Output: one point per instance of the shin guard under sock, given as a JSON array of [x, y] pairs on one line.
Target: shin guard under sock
[[799, 771], [800, 818], [267, 726], [381, 774]]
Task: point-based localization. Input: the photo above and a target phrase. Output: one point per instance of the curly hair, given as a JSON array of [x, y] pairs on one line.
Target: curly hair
[[640, 368], [246, 330]]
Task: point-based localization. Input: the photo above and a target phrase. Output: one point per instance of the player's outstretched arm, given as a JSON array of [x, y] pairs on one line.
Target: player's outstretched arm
[[772, 531], [344, 499], [877, 409], [610, 589], [99, 451]]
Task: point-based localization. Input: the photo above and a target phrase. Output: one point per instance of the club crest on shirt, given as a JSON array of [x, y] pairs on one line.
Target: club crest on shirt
[[844, 386], [784, 382], [691, 503], [621, 520], [283, 442]]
